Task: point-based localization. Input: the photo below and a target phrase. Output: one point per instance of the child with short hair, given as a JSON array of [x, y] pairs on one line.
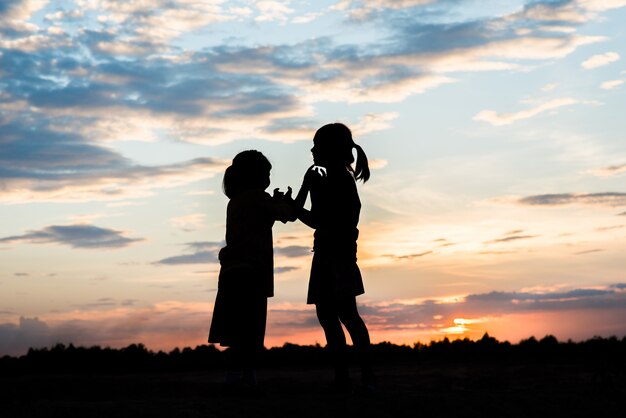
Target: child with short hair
[[246, 277]]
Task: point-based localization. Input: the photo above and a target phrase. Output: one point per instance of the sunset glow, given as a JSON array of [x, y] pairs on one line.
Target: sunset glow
[[494, 129]]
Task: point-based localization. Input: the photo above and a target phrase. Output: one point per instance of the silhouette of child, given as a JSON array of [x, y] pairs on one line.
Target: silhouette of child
[[335, 279], [246, 277]]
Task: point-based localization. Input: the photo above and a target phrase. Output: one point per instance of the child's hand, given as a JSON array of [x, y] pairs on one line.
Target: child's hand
[[281, 195], [289, 208], [313, 174]]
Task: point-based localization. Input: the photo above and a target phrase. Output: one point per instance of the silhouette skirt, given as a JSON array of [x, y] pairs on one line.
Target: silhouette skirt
[[239, 313], [333, 277]]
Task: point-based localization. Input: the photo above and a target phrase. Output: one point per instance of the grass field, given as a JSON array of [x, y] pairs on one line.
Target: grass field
[[406, 389]]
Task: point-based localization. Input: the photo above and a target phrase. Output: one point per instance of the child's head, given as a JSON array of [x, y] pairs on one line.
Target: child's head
[[249, 170], [332, 146]]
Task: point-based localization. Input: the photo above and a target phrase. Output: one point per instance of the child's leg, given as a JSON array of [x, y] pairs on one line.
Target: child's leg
[[335, 338], [248, 330], [349, 315], [252, 336]]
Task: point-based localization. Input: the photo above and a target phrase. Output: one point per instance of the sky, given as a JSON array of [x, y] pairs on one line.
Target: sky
[[494, 129]]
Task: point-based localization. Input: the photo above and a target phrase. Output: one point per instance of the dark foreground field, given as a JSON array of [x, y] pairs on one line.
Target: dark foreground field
[[445, 379], [406, 390]]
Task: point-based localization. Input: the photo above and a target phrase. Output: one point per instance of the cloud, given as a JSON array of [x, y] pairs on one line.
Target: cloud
[[550, 87], [377, 164], [611, 199], [500, 303], [165, 325], [207, 252], [152, 25], [104, 303], [15, 14], [272, 10], [609, 228], [373, 122], [75, 236], [364, 9], [609, 171], [558, 12], [16, 339], [203, 252], [496, 119], [285, 269], [600, 60], [307, 18], [39, 162], [293, 251], [595, 250], [409, 256], [133, 81], [565, 12], [475, 314], [510, 238], [141, 86], [201, 257], [612, 84], [188, 223]]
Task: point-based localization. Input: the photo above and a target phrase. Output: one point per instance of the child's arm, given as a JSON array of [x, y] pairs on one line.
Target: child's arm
[[306, 216]]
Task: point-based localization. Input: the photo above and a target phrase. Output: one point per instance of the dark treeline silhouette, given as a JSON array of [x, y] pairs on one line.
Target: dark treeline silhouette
[[136, 358]]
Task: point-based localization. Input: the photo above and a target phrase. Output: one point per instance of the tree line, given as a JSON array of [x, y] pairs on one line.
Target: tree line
[[136, 358]]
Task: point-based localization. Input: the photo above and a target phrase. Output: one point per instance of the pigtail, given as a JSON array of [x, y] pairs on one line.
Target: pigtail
[[362, 169]]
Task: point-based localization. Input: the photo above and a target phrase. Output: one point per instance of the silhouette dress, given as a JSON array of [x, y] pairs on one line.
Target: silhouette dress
[[335, 209], [246, 277]]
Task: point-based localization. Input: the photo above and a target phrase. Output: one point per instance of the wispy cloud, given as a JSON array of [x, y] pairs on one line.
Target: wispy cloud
[[510, 238], [207, 252], [611, 170], [16, 15], [203, 252], [360, 10], [188, 223], [75, 236], [595, 250], [496, 119], [610, 199], [285, 269], [611, 84], [600, 60], [609, 228], [133, 83], [550, 87], [39, 162], [409, 256], [378, 163], [270, 10], [293, 251]]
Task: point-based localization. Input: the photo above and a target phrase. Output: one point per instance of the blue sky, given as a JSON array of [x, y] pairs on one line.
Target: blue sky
[[495, 130]]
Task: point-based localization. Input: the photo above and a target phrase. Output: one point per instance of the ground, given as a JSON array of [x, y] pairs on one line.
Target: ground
[[406, 389]]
